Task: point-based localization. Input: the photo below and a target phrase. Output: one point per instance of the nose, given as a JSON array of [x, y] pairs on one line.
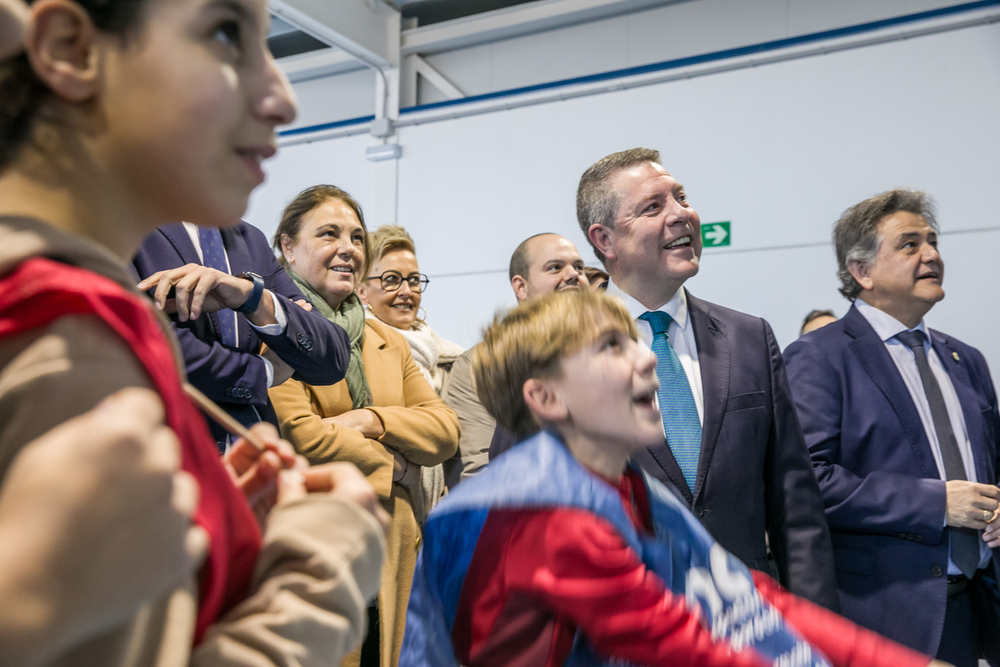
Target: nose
[[678, 213], [276, 104], [404, 289], [570, 276], [345, 248]]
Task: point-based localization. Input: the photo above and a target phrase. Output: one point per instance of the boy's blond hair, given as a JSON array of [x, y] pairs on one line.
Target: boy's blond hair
[[530, 341]]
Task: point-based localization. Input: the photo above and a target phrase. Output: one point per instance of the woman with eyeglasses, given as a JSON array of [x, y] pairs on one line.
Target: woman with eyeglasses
[[392, 293], [384, 416]]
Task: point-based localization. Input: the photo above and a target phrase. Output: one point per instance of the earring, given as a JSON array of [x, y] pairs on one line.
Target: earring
[[419, 318]]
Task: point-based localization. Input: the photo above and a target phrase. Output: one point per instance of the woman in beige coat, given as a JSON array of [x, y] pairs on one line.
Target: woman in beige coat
[[384, 417], [392, 292]]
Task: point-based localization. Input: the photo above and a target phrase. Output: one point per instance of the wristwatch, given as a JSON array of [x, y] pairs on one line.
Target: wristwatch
[[253, 301]]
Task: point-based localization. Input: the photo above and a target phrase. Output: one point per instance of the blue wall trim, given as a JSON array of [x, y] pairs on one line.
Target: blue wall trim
[[330, 126], [677, 63]]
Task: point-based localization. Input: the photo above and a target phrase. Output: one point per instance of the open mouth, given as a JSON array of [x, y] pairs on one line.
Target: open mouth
[[678, 242], [403, 306], [252, 155], [645, 399], [342, 269]]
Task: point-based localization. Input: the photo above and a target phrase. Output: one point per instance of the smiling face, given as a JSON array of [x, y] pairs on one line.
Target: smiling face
[[329, 250], [655, 243], [906, 276], [555, 266], [607, 389], [397, 309], [189, 107]]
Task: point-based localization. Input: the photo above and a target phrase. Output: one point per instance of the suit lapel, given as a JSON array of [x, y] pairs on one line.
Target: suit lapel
[[181, 242], [871, 354], [715, 359], [958, 372]]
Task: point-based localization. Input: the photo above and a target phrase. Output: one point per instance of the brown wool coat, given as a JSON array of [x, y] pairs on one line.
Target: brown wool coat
[[418, 425]]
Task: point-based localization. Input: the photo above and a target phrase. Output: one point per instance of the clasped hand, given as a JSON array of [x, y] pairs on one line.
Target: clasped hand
[[973, 505]]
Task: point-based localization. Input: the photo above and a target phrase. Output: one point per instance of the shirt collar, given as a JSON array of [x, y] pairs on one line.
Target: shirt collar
[[676, 308], [884, 324]]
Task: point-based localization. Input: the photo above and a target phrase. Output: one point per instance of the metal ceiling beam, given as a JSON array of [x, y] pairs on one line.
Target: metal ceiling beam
[[366, 29], [516, 21], [315, 64]]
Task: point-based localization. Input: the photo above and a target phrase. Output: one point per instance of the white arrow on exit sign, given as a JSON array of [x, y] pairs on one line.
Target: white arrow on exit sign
[[715, 234]]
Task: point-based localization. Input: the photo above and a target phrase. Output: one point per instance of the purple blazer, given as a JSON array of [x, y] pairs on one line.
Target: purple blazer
[[884, 497], [236, 378]]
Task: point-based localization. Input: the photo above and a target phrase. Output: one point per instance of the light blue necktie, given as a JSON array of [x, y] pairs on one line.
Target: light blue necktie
[[680, 414], [214, 257]]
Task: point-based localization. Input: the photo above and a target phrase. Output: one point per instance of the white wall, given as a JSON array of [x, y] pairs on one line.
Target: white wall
[[679, 30], [780, 150]]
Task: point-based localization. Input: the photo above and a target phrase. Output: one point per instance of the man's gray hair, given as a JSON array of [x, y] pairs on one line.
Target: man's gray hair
[[596, 201], [856, 237]]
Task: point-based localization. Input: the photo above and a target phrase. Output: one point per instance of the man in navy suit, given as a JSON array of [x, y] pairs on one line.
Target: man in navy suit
[[902, 424], [248, 300], [740, 462]]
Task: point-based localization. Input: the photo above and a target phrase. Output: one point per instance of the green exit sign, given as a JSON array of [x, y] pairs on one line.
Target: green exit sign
[[715, 234]]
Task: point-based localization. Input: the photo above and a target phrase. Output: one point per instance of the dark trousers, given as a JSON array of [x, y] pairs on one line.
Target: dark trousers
[[960, 638], [370, 647]]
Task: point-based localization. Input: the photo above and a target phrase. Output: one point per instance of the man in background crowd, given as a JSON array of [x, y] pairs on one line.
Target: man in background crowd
[[817, 319], [541, 264]]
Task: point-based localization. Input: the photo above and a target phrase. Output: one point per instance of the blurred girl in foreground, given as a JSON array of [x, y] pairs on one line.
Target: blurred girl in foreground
[[117, 118]]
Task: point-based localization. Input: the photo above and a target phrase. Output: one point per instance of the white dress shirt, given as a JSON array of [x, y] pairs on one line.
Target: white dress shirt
[[886, 327], [680, 335]]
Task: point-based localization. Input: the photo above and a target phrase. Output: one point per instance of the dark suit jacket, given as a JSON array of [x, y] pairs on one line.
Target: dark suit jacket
[[754, 475], [236, 379], [884, 497]]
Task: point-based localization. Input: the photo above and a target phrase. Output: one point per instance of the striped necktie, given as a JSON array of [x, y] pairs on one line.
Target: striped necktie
[[680, 414], [964, 541], [214, 257]]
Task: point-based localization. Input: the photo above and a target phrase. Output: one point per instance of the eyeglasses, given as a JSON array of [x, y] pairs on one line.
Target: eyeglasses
[[391, 281]]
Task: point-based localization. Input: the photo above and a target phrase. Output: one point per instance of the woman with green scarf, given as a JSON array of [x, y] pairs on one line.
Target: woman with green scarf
[[384, 416]]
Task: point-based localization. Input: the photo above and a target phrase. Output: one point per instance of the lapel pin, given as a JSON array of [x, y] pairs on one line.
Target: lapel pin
[[954, 355]]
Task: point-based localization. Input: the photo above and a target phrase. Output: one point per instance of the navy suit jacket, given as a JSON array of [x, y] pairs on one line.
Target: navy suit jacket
[[754, 475], [236, 378], [884, 496]]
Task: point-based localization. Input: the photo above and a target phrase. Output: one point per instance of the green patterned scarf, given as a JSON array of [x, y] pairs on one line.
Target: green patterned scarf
[[350, 316]]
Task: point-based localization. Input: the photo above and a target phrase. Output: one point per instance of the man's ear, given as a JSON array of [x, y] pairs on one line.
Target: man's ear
[[861, 273], [600, 238], [544, 402], [520, 286], [61, 44]]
